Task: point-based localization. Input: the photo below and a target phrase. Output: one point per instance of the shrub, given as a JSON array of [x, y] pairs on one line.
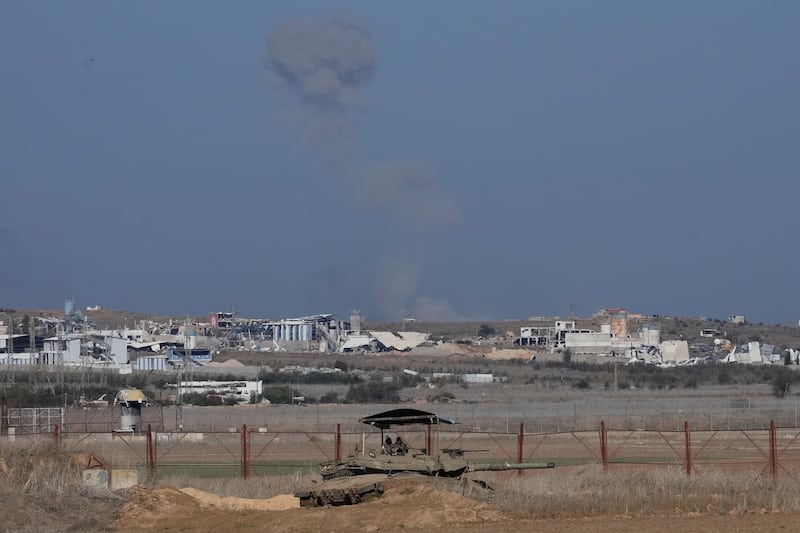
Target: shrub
[[582, 383], [782, 382], [373, 392], [442, 397], [278, 394], [329, 397]]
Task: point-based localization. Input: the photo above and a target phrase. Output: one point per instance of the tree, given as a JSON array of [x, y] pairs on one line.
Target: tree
[[330, 397], [373, 392], [782, 382], [278, 394]]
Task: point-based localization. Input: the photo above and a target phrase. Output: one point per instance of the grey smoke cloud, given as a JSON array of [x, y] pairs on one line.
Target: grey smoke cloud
[[396, 287], [325, 59], [396, 280], [408, 189], [431, 309], [324, 65]]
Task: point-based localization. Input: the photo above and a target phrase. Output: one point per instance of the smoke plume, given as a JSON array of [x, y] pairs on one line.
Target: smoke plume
[[322, 66], [408, 190], [396, 285]]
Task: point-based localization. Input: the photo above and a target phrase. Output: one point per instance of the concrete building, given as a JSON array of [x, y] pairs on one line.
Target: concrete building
[[738, 319], [674, 351]]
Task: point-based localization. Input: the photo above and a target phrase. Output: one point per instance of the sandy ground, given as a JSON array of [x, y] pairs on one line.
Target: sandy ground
[[406, 505]]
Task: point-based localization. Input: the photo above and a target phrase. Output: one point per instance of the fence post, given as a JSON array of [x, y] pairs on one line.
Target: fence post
[[151, 456], [337, 443], [687, 436], [520, 439], [245, 458], [773, 451], [604, 444], [4, 417], [429, 440], [56, 437]]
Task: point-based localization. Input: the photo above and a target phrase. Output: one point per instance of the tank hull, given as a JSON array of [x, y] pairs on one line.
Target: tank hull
[[348, 491]]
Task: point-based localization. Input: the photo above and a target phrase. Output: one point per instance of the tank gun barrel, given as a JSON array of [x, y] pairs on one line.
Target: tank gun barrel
[[497, 467], [459, 452]]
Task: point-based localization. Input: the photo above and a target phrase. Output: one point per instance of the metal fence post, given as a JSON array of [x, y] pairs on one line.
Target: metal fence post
[[688, 448], [429, 440], [773, 451], [337, 443], [245, 453], [151, 456], [604, 444], [4, 416], [56, 437]]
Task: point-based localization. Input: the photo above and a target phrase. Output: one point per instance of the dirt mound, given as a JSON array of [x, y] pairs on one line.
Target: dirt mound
[[146, 509], [459, 352], [277, 503], [153, 509], [428, 506], [509, 353], [410, 504], [226, 363]]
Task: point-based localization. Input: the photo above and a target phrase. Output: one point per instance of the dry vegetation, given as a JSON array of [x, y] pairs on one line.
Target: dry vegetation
[[257, 487], [646, 492], [42, 490]]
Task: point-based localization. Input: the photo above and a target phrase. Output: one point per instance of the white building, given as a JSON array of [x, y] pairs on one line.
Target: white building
[[241, 390]]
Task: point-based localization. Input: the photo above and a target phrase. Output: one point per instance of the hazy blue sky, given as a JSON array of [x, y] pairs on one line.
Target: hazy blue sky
[[506, 159]]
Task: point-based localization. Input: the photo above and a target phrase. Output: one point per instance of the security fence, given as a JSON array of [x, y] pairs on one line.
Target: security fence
[[625, 414], [246, 451]]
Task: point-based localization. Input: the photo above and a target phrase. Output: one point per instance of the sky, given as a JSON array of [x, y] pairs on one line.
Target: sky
[[438, 160]]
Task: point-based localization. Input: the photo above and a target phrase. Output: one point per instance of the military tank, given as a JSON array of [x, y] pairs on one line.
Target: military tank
[[357, 477], [440, 466]]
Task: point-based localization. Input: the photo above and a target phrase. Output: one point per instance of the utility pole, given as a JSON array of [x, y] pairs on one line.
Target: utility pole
[[32, 335], [179, 400], [10, 341]]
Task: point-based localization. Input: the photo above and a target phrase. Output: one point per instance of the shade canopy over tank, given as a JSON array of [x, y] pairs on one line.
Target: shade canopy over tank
[[402, 417]]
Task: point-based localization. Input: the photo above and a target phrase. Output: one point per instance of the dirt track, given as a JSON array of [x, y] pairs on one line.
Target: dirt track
[[407, 505]]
